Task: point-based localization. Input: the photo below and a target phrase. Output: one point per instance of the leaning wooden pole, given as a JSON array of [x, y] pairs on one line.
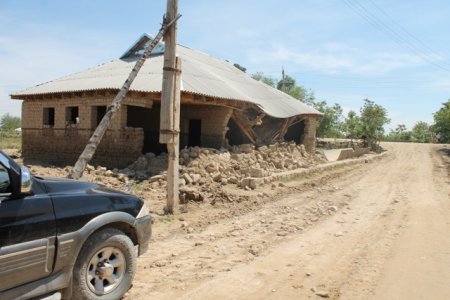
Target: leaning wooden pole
[[99, 132], [170, 108]]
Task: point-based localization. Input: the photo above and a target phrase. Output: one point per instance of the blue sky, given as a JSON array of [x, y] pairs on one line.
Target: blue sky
[[395, 53]]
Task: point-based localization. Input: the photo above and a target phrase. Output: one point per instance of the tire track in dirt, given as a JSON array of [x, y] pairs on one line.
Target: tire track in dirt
[[182, 260]]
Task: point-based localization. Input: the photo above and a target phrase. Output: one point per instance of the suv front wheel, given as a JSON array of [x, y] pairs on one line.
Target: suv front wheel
[[105, 266]]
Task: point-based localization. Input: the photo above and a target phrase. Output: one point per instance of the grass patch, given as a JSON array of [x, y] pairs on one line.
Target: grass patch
[[166, 219], [137, 187], [10, 141]]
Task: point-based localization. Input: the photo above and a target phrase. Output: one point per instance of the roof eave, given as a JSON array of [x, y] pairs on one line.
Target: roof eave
[[28, 96]]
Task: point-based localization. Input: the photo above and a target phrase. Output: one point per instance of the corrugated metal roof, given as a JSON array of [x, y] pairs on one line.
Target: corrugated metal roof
[[201, 74]]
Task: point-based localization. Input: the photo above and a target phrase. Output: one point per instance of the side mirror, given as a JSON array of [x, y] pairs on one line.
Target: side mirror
[[25, 180]]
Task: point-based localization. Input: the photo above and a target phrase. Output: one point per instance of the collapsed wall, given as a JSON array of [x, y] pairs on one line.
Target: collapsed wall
[[244, 165]]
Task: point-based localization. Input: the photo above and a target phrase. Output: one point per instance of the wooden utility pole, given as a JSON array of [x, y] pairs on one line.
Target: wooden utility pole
[[170, 108], [99, 132]]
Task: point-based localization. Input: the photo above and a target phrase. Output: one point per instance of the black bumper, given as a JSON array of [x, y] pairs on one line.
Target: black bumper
[[144, 232]]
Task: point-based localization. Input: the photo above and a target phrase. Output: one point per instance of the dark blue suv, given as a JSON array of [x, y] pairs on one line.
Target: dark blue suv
[[67, 239]]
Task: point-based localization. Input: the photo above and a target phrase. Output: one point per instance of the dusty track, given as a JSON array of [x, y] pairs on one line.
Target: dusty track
[[384, 235]]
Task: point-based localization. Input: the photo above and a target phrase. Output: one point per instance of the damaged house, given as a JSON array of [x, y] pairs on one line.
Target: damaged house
[[220, 106]]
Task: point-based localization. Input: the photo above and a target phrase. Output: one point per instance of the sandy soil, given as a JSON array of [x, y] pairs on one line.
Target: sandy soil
[[373, 231]]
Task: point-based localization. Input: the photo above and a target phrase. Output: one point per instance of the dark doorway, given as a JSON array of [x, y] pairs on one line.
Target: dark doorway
[[296, 133], [195, 133], [148, 119]]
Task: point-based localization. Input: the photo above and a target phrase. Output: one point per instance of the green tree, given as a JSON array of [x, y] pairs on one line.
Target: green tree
[[352, 125], [441, 125], [286, 84], [290, 87], [329, 125], [309, 98], [400, 134], [266, 79], [373, 118], [391, 136], [421, 133], [8, 122]]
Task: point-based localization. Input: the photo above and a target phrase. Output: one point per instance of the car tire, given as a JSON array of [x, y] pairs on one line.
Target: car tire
[[105, 266]]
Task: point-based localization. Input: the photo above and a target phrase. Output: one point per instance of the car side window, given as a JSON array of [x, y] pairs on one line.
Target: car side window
[[5, 183]]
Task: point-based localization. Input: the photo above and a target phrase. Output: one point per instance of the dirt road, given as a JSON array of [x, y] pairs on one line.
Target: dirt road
[[373, 231]]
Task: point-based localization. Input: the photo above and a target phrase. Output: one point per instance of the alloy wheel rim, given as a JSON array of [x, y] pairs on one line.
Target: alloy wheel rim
[[105, 270]]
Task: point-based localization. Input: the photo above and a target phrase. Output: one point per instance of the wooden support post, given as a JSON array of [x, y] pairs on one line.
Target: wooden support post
[[170, 108], [173, 149], [246, 129], [284, 128]]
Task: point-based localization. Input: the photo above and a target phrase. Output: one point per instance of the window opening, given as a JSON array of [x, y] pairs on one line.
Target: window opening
[[49, 116], [72, 116], [101, 111]]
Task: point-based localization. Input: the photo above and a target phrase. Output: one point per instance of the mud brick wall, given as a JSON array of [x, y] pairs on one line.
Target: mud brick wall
[[310, 135], [62, 143], [33, 115], [214, 123], [118, 148]]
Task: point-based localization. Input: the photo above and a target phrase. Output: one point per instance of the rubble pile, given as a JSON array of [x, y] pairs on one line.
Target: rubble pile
[[242, 165], [204, 172]]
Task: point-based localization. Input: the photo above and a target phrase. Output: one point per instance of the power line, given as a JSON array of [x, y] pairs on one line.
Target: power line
[[379, 24], [398, 38], [405, 30], [382, 26], [422, 53]]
